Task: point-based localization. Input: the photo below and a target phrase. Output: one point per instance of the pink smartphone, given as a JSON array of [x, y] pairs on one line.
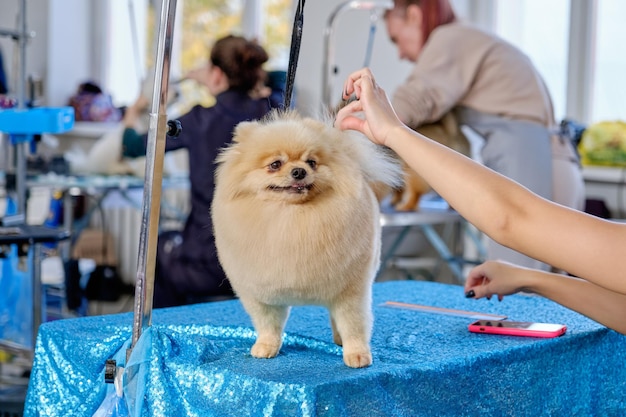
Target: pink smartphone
[[517, 328]]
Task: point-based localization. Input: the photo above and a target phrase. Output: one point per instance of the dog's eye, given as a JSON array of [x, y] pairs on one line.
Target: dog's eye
[[311, 163], [275, 166]]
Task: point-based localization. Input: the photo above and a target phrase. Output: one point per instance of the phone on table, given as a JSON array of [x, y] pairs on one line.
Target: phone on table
[[517, 328]]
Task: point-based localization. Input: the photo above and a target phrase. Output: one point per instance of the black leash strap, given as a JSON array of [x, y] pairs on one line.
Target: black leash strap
[[294, 52]]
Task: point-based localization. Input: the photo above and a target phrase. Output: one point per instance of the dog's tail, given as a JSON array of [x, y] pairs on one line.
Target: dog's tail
[[381, 166]]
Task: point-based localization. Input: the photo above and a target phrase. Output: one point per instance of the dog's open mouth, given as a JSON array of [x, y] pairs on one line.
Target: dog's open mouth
[[296, 188]]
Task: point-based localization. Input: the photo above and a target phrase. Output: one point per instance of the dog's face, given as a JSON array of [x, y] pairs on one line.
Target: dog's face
[[289, 160], [290, 174]]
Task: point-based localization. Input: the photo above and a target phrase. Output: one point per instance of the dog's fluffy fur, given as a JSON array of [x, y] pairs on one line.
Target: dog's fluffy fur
[[445, 131], [296, 222]]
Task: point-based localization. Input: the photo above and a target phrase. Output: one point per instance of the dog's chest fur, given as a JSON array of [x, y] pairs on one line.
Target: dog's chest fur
[[304, 253]]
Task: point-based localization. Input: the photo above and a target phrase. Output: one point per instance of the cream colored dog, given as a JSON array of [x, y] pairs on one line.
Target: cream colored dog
[[445, 131], [296, 222]]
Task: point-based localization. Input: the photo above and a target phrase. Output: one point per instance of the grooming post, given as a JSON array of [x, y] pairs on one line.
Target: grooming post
[[329, 68], [22, 36], [144, 287], [20, 181]]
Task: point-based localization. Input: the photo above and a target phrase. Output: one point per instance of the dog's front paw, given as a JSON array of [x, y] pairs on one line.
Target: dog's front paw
[[357, 359], [264, 350]]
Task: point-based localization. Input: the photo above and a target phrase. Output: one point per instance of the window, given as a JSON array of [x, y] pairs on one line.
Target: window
[[198, 24], [540, 29], [582, 62], [609, 93]]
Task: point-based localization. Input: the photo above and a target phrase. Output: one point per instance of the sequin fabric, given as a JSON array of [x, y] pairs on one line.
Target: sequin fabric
[[195, 361]]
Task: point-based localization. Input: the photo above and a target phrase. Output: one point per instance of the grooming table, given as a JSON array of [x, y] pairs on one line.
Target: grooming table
[[129, 189], [425, 363], [433, 211]]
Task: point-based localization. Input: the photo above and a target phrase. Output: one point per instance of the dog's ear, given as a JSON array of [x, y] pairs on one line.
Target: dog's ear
[[244, 130]]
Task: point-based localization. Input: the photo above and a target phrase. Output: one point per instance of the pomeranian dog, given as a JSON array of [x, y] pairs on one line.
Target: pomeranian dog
[[445, 131], [297, 223]]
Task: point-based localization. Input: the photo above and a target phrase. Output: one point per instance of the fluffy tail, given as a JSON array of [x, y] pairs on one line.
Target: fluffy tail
[[381, 167]]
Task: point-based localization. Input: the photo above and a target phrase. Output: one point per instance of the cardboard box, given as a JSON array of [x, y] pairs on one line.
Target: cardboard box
[[97, 245]]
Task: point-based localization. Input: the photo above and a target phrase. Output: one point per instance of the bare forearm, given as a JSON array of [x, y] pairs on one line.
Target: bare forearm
[[130, 117], [484, 197], [581, 244], [597, 303], [515, 217]]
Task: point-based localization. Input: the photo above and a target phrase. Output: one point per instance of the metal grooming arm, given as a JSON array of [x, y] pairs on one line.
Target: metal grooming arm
[[375, 8], [159, 127], [144, 287]]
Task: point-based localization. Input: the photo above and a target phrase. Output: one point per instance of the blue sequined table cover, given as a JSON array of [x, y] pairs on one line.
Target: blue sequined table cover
[[425, 364]]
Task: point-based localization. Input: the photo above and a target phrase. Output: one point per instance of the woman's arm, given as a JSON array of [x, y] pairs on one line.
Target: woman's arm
[[494, 278], [133, 142], [583, 245]]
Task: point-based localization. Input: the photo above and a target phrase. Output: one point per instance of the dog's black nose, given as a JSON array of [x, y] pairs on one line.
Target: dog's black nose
[[298, 173]]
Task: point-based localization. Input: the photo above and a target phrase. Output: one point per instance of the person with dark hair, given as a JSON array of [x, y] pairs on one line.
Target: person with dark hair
[[493, 88], [91, 104], [187, 267]]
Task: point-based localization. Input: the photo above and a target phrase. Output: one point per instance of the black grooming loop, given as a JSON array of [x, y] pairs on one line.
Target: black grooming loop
[[294, 52]]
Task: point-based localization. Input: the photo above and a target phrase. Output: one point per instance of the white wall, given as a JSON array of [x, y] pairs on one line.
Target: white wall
[[36, 51], [65, 53], [59, 53], [68, 50], [349, 40]]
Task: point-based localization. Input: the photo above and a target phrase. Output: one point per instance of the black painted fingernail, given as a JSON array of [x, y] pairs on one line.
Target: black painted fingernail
[[470, 294]]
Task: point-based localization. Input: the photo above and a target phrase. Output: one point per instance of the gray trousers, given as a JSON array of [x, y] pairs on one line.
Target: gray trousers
[[524, 151]]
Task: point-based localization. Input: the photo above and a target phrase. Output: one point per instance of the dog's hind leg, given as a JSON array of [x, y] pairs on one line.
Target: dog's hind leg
[[352, 328], [269, 322]]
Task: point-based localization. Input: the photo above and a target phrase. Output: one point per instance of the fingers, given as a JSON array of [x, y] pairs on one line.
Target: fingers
[[482, 291], [475, 277], [345, 119], [477, 283], [492, 278], [353, 84]]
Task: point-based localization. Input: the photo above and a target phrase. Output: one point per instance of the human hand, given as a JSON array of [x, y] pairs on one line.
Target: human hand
[[495, 278], [200, 75], [260, 91], [371, 99], [133, 112], [141, 103]]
